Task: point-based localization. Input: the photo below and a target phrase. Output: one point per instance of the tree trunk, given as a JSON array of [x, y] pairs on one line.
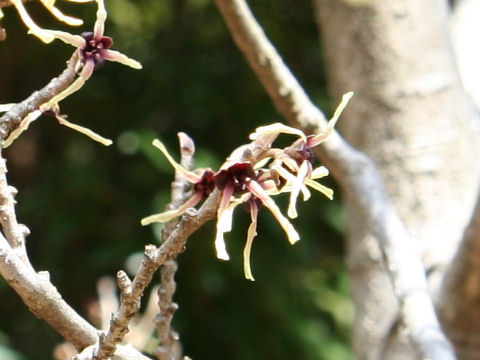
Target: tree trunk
[[411, 116]]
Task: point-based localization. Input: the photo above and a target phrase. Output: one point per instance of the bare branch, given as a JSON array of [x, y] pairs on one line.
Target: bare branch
[[167, 337], [123, 352], [286, 93], [459, 305], [363, 187], [356, 174], [14, 232], [43, 299], [153, 259], [12, 118]]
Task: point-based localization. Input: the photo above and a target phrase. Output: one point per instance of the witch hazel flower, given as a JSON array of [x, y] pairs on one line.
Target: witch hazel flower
[[93, 50], [241, 183], [254, 180], [294, 164], [203, 181]]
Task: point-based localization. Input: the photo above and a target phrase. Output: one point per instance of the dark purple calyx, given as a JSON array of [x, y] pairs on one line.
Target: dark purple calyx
[[237, 175], [206, 185], [95, 47], [300, 151], [306, 152]]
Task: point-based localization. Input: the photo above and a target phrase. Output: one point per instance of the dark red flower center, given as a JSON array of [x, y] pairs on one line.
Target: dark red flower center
[[206, 185], [94, 48], [301, 151], [306, 152], [237, 175]]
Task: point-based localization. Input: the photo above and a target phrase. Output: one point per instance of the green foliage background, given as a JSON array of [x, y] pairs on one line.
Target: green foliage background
[[83, 202]]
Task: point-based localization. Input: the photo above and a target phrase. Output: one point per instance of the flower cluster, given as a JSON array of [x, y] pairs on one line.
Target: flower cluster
[[93, 49], [255, 181]]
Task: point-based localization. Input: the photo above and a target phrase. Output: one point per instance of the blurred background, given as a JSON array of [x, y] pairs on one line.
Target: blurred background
[[83, 202]]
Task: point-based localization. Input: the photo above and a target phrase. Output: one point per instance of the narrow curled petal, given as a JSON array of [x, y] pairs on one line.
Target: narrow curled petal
[[276, 128], [50, 6], [252, 232], [266, 200], [27, 120], [116, 56], [291, 179], [297, 185], [331, 124], [224, 223], [85, 131], [74, 40], [319, 172], [190, 176], [100, 22], [168, 215], [32, 27], [321, 188], [75, 86]]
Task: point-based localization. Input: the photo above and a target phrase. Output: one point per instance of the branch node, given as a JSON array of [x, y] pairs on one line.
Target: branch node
[[150, 250], [190, 213], [23, 229], [13, 190], [44, 275], [124, 282]]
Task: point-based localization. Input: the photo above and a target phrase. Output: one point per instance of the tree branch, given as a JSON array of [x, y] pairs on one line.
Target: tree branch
[[35, 289], [167, 337], [39, 294], [357, 176], [43, 299], [281, 85], [460, 298], [12, 118], [154, 257], [15, 233]]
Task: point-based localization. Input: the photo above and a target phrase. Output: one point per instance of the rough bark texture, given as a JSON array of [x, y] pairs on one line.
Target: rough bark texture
[[412, 117], [460, 301]]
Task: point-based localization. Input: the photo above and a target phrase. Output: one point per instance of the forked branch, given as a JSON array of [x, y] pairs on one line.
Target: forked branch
[[356, 174]]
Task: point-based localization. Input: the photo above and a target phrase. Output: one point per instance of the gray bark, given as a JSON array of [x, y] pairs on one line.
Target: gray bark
[[412, 117]]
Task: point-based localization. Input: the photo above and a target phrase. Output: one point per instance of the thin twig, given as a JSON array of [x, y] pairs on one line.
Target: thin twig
[[43, 299], [13, 231], [153, 259], [12, 118], [35, 289], [167, 337], [281, 85], [358, 177], [192, 220]]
